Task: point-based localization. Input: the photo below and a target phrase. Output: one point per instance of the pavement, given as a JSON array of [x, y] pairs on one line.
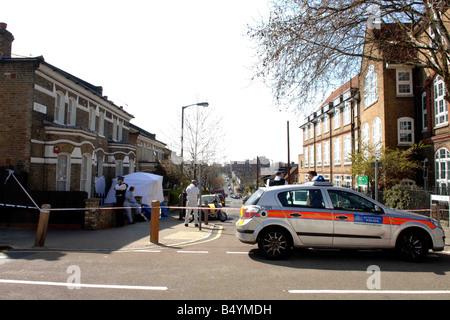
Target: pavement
[[172, 234]]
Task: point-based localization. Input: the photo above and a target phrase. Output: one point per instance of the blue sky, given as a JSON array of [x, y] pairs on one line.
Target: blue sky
[[153, 57]]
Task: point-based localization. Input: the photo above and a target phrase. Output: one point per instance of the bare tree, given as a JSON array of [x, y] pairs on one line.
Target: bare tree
[[307, 47], [203, 135]]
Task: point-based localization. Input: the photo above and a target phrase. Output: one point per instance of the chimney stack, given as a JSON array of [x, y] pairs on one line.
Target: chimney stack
[[6, 39]]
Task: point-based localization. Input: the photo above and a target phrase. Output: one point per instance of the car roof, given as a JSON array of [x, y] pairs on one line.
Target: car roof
[[304, 185]]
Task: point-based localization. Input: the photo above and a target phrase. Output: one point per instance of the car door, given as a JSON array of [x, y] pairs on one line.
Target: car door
[[306, 213], [358, 222]]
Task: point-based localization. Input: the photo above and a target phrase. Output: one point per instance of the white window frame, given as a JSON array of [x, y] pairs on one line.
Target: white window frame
[[72, 112], [326, 153], [337, 151], [402, 131], [365, 135], [347, 113], [319, 154], [337, 119], [119, 168], [114, 128], [376, 135], [442, 167], [86, 173], [424, 112], [370, 87], [101, 124], [347, 148], [348, 181], [306, 158], [326, 123], [311, 156], [63, 172], [120, 130], [337, 180], [60, 102], [319, 127], [305, 132], [311, 130], [92, 118], [440, 104], [408, 83]]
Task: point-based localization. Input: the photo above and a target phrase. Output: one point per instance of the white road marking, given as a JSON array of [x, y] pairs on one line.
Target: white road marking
[[238, 252], [82, 285], [181, 251], [370, 291]]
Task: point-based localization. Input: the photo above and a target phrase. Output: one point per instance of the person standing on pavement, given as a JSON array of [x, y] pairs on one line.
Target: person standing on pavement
[[130, 201], [182, 203], [120, 189], [192, 201]]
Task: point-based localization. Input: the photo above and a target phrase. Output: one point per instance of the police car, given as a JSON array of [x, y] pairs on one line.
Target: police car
[[319, 215]]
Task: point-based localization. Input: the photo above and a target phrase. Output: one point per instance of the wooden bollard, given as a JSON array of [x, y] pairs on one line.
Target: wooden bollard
[[41, 231], [154, 222]]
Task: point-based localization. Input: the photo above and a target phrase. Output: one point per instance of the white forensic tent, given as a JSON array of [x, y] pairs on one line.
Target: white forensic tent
[[147, 185]]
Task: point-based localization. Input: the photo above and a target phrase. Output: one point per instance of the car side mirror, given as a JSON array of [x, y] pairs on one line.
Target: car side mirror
[[378, 209]]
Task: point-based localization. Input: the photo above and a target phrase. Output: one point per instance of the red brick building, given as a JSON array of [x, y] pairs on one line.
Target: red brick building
[[386, 105], [57, 128]]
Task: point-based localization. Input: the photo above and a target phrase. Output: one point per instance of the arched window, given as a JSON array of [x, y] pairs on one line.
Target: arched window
[[365, 135], [365, 132], [370, 87], [376, 131], [442, 165], [63, 172], [440, 104]]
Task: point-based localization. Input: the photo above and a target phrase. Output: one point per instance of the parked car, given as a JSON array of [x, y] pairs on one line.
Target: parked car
[[318, 215], [244, 199]]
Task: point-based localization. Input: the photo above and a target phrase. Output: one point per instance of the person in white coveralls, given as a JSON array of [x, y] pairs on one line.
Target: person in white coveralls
[[192, 201]]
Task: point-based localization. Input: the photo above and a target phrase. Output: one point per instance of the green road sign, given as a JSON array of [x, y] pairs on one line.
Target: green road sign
[[363, 180]]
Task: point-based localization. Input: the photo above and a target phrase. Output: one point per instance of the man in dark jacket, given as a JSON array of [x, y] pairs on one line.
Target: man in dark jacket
[[121, 189]]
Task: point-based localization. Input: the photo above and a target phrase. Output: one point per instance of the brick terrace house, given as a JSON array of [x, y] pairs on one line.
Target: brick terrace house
[[391, 105], [150, 151], [59, 129]]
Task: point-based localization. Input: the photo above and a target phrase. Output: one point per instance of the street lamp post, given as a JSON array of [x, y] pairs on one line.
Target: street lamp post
[[202, 104]]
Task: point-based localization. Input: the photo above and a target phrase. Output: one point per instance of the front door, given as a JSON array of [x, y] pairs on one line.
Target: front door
[[357, 223]]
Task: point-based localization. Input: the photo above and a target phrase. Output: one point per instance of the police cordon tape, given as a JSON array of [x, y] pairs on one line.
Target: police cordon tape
[[115, 208]]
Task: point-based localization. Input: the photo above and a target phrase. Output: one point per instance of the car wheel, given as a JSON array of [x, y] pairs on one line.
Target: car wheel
[[274, 243], [222, 216], [412, 246]]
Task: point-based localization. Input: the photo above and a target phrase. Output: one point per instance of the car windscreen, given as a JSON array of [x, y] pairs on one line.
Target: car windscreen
[[253, 200]]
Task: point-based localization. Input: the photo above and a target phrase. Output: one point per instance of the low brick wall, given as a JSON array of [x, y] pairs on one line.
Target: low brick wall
[[96, 219]]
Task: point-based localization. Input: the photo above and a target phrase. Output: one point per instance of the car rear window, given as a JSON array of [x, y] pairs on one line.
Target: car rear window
[[305, 198], [253, 200]]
